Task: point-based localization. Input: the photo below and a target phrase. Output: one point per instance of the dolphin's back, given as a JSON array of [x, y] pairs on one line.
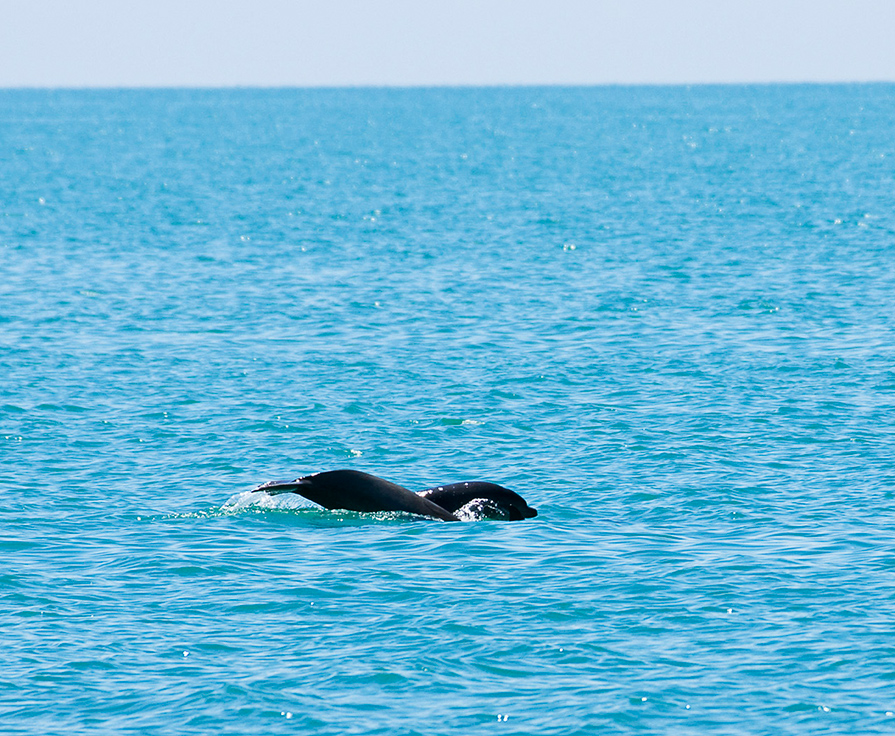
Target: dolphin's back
[[353, 490]]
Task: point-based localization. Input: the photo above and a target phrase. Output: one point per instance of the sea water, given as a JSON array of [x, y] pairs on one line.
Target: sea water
[[665, 316]]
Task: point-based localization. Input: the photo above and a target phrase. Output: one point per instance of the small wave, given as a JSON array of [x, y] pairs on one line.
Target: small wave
[[251, 500], [481, 508], [248, 502]]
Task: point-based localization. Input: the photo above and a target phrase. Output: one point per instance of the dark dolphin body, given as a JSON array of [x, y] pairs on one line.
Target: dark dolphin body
[[356, 491], [500, 502]]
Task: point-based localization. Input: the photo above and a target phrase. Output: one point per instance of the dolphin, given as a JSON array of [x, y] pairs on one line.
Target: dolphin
[[353, 490]]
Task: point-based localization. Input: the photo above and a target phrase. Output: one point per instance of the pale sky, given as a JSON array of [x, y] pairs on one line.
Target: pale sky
[[103, 43]]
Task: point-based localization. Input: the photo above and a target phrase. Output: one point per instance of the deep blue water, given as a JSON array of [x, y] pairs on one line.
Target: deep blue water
[[666, 316]]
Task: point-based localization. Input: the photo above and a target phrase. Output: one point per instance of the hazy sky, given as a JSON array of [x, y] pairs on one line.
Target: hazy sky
[[411, 42]]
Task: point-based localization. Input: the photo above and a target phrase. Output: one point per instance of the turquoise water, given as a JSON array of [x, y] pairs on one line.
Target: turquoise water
[[663, 315]]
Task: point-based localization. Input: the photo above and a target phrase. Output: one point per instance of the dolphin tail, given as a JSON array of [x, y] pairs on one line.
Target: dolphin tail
[[274, 487]]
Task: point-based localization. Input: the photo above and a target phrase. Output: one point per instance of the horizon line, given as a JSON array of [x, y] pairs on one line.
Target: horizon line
[[435, 85]]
